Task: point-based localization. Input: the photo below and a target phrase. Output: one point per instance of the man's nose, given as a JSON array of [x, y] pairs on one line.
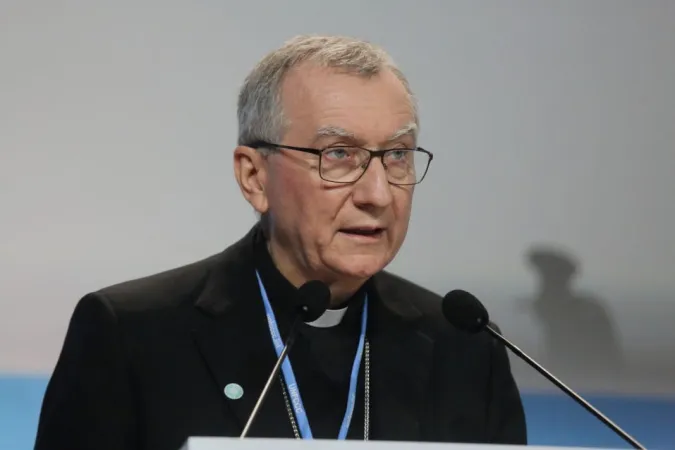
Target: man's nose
[[373, 188]]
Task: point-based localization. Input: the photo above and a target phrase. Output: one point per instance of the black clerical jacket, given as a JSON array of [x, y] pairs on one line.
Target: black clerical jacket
[[145, 364]]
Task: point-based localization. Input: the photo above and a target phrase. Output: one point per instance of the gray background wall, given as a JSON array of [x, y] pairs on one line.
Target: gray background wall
[[552, 124]]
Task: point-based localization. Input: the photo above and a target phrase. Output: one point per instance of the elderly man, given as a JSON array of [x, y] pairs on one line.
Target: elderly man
[[328, 157]]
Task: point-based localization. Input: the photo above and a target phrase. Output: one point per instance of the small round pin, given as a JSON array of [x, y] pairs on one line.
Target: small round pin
[[233, 391]]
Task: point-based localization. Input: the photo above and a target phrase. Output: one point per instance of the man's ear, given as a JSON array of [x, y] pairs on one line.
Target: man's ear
[[250, 172]]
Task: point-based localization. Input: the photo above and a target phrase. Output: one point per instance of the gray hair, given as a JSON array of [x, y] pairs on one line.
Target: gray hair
[[259, 109]]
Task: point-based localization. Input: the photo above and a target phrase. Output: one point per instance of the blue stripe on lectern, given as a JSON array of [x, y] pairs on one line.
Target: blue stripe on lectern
[[20, 400], [552, 419]]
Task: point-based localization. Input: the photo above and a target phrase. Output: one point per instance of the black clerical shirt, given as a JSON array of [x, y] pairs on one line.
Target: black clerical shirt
[[322, 358]]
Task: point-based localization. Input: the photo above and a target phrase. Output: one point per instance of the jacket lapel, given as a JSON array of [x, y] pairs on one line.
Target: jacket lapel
[[401, 363], [238, 362], [231, 334]]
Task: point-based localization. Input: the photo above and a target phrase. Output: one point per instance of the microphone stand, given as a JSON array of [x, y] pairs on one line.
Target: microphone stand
[[290, 340], [576, 397]]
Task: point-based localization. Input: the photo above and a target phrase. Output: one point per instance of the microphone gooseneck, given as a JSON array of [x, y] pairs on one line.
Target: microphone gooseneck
[[312, 300], [466, 313]]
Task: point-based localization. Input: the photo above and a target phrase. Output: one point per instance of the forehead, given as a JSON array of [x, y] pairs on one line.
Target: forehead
[[321, 101]]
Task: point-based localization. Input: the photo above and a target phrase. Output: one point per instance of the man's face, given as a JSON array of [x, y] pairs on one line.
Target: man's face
[[319, 224]]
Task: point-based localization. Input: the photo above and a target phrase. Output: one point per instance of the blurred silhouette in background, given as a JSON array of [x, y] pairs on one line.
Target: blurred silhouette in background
[[580, 334]]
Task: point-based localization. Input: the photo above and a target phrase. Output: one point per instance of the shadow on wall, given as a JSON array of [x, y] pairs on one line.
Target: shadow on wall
[[578, 329]]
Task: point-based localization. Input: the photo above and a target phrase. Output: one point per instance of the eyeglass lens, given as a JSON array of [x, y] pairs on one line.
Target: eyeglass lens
[[346, 164]]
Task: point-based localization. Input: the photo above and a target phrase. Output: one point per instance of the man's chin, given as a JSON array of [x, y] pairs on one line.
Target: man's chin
[[359, 266]]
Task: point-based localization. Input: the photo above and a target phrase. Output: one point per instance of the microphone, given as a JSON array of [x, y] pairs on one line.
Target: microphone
[[312, 301], [466, 313]]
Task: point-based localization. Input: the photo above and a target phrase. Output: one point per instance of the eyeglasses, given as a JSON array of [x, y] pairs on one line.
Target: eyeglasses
[[347, 164]]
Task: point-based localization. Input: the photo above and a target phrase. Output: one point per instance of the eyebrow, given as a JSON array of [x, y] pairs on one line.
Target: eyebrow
[[408, 129], [335, 131], [331, 130]]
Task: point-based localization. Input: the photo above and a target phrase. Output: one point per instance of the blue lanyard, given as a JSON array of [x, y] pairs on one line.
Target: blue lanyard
[[289, 376]]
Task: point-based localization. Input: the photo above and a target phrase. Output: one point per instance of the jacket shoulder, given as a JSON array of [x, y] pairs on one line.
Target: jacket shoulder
[[416, 297], [173, 287], [411, 299], [164, 289]]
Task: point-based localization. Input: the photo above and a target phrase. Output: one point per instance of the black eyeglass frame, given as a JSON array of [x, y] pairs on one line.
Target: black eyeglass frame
[[373, 154]]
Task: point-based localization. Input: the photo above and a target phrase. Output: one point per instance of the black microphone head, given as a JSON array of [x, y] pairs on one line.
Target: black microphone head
[[313, 300], [464, 311]]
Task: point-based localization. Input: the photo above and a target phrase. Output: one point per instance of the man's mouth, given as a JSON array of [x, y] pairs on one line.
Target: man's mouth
[[365, 231]]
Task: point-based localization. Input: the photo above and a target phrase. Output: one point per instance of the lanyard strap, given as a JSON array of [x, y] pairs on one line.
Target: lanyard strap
[[289, 376]]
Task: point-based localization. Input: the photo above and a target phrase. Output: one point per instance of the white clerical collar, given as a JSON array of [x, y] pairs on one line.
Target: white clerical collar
[[330, 318]]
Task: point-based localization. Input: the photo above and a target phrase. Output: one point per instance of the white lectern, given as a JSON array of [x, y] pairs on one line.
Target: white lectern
[[217, 443]]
